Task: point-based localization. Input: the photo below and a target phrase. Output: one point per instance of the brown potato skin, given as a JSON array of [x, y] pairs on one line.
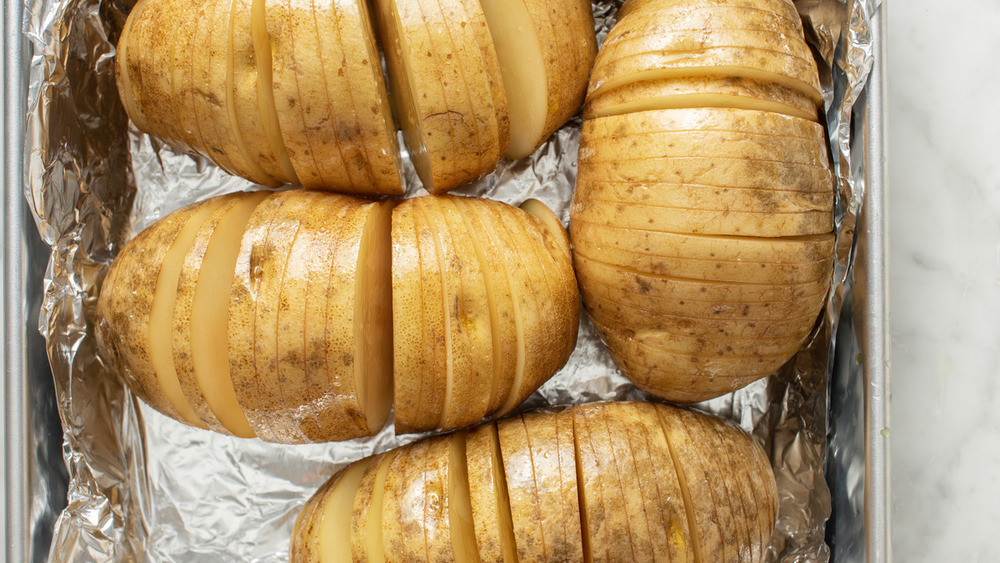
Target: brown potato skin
[[703, 233], [660, 483]]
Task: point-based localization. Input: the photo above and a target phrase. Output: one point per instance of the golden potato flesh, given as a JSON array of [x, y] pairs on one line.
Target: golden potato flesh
[[598, 482], [702, 222]]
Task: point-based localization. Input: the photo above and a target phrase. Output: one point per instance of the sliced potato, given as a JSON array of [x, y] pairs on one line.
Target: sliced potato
[[299, 355], [200, 320], [746, 62], [541, 64], [336, 510], [205, 83], [162, 310], [503, 317], [253, 106], [491, 514], [123, 308], [703, 91], [366, 512], [460, 518], [373, 318], [552, 457], [466, 402], [638, 250]]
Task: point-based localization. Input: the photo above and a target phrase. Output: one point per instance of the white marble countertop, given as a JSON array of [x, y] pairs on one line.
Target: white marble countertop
[[945, 279], [944, 136]]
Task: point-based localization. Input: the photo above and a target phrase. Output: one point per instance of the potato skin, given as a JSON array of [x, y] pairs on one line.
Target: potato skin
[[657, 483], [703, 233]]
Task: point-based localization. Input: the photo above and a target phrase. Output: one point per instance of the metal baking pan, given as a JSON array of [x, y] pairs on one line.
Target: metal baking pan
[[35, 476]]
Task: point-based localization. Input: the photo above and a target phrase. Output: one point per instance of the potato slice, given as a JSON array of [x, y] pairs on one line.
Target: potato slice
[[554, 235], [554, 292], [637, 487], [204, 84], [656, 34], [306, 402], [425, 91], [542, 64], [658, 286], [783, 8], [550, 445], [127, 69], [777, 16], [405, 505], [254, 265], [178, 333], [200, 319], [366, 514], [792, 251], [507, 343], [703, 91], [497, 112], [732, 485], [325, 418], [437, 503], [708, 531], [526, 498], [302, 109], [763, 222], [357, 327], [491, 513], [125, 304], [466, 401], [466, 32], [337, 510], [420, 376], [253, 98], [154, 42], [746, 62], [682, 378], [662, 496], [377, 154], [460, 515], [637, 250], [713, 171], [267, 263], [413, 335], [304, 546], [706, 307], [700, 196], [161, 311], [186, 27], [246, 131], [373, 318], [606, 520]]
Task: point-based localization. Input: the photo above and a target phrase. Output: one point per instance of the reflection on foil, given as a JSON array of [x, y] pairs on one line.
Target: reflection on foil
[[143, 487]]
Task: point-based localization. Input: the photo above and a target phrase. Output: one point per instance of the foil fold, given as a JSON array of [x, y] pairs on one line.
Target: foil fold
[[144, 487]]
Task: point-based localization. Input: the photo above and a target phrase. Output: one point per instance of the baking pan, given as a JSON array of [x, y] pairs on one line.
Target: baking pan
[[35, 484], [35, 473]]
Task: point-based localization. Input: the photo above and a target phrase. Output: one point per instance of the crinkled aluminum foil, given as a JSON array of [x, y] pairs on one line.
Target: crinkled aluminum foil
[[144, 487]]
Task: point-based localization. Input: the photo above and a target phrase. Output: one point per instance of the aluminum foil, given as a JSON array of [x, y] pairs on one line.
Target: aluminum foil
[[144, 487]]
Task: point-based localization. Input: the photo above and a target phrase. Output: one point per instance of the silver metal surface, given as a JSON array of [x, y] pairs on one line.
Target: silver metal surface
[[15, 389], [874, 334]]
